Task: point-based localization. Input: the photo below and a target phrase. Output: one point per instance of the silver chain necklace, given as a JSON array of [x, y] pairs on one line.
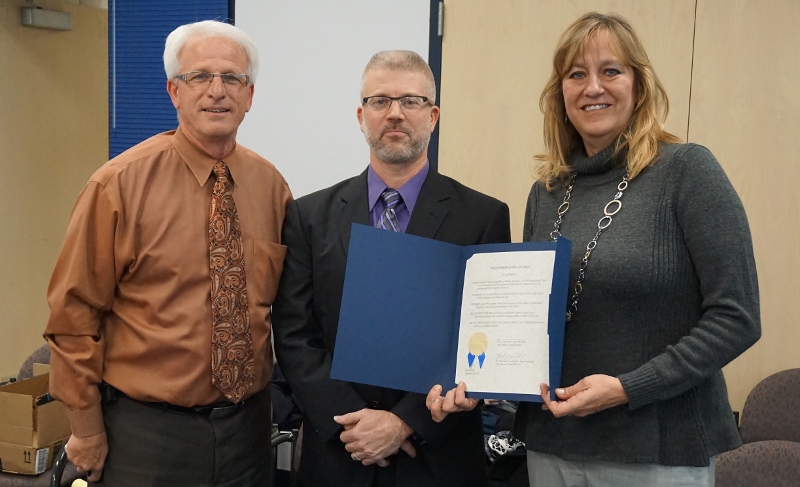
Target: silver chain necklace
[[611, 209]]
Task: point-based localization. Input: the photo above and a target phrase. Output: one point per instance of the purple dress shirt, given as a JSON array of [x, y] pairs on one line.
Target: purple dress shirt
[[409, 193]]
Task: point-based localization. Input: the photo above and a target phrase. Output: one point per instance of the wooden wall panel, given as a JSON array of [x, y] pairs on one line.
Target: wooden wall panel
[[496, 59], [746, 109], [53, 135]]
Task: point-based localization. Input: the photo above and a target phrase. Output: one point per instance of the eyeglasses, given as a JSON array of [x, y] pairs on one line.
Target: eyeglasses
[[201, 78], [380, 103]]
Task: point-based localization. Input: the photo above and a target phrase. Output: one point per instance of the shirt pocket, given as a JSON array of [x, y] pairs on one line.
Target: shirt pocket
[[267, 264]]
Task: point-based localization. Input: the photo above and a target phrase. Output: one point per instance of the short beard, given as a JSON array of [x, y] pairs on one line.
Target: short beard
[[401, 155]]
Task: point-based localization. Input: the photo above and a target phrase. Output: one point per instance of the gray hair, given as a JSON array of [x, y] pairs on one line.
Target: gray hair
[[207, 28], [402, 61]]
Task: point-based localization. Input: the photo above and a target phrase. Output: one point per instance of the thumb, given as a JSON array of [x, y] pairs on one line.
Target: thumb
[[566, 392], [349, 418]]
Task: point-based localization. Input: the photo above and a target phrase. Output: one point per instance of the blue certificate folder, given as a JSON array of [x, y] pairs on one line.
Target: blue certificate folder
[[401, 310]]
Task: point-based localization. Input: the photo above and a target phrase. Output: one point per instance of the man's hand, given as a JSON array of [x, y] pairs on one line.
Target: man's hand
[[372, 435], [454, 401], [88, 454], [590, 395]]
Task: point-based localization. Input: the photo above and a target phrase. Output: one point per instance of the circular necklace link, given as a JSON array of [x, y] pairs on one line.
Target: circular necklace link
[[612, 208]]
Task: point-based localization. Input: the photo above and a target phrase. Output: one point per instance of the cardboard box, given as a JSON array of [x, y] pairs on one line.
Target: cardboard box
[[28, 460], [30, 434]]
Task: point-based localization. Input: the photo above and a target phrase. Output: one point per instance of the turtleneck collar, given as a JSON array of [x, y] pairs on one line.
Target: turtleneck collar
[[596, 164]]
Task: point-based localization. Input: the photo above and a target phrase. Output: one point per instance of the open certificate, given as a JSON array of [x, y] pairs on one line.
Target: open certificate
[[503, 335], [417, 312]]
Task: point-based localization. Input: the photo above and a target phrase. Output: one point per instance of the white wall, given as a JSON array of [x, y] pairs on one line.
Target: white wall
[[312, 55]]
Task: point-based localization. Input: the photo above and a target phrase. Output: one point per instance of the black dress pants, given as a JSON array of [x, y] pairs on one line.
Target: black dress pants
[[153, 446]]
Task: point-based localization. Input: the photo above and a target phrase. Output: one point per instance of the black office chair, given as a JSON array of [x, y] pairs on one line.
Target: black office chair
[[279, 437], [60, 464]]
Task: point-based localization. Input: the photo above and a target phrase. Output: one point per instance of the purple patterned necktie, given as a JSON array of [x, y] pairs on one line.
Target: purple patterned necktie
[[388, 219], [232, 362]]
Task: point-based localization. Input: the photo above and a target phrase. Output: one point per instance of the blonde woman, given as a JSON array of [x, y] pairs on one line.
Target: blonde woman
[[663, 281]]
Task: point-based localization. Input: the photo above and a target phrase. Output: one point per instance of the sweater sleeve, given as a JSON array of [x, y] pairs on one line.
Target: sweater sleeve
[[712, 221]]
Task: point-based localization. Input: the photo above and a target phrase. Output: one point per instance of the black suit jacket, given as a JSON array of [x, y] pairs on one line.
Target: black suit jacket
[[305, 319]]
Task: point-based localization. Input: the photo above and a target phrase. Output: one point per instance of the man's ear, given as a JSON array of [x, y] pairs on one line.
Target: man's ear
[[360, 117], [434, 116], [172, 89], [252, 89]]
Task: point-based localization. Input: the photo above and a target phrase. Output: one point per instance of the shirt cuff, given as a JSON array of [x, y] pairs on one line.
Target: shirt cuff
[[86, 422]]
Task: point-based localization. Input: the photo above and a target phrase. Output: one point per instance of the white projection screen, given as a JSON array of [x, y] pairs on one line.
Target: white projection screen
[[312, 54]]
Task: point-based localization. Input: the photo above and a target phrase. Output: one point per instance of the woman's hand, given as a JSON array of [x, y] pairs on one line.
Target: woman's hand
[[590, 395], [454, 401]]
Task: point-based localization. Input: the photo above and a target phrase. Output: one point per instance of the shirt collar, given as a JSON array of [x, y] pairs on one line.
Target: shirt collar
[[199, 162], [409, 191]]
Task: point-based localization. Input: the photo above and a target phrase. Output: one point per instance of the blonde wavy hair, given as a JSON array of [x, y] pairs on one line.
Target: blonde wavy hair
[[646, 126]]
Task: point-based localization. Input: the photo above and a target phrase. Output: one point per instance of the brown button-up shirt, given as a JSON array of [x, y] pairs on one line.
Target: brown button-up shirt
[[130, 293]]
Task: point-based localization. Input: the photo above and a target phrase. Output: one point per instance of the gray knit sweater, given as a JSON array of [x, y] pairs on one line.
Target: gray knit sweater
[[670, 297]]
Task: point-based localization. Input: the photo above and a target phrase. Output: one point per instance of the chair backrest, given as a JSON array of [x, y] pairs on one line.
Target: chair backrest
[[772, 409], [762, 463], [39, 356]]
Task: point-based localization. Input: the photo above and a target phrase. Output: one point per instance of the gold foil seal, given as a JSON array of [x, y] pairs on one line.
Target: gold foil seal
[[477, 343]]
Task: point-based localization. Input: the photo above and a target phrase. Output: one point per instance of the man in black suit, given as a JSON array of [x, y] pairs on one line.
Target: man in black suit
[[356, 435]]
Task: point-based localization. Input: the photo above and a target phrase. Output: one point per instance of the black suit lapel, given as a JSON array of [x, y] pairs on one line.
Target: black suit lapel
[[433, 204], [354, 207]]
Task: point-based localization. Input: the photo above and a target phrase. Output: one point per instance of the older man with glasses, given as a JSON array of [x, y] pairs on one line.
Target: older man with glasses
[[160, 299], [357, 435]]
